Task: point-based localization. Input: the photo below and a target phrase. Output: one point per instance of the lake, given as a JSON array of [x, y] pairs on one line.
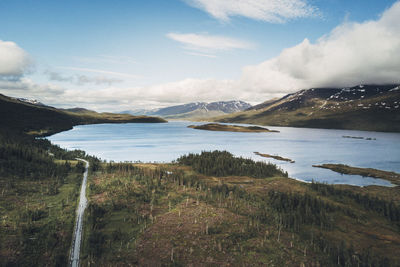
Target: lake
[[165, 142]]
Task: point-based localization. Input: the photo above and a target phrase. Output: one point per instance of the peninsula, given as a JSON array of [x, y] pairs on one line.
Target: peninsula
[[274, 157], [367, 172]]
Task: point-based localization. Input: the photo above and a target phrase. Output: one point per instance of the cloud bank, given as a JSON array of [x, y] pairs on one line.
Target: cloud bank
[[14, 61], [352, 53], [80, 79], [275, 11]]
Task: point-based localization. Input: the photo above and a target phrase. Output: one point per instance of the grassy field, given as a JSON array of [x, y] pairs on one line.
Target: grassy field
[[170, 215]]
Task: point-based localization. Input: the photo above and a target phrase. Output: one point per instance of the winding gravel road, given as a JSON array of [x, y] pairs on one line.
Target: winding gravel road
[[77, 236]]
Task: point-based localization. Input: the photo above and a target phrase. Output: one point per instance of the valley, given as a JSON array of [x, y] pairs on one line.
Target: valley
[[200, 133], [208, 208]]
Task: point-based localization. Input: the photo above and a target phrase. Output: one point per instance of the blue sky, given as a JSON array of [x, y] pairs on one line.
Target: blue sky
[[117, 55]]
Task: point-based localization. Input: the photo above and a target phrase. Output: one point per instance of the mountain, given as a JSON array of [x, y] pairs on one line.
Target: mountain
[[362, 107], [30, 117], [78, 110], [30, 101], [196, 110]]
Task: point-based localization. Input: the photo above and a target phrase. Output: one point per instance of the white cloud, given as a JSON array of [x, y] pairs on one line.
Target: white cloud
[[98, 80], [206, 44], [25, 87], [352, 53], [14, 61], [108, 59], [79, 79], [120, 74], [200, 54], [188, 90], [275, 11]]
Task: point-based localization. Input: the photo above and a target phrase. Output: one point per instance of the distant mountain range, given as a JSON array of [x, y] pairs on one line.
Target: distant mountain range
[[363, 107], [194, 110]]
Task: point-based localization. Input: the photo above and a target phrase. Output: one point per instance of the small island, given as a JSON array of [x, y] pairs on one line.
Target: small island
[[231, 128], [274, 157], [366, 172], [358, 137]]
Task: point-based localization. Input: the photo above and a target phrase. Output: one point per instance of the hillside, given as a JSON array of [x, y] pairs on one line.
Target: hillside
[[23, 116], [212, 209], [363, 107], [196, 110]]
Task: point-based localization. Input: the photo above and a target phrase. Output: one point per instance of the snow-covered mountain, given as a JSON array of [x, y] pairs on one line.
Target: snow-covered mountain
[[196, 109], [361, 107], [30, 101]]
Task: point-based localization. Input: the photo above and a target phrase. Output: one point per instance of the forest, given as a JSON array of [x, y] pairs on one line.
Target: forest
[[176, 214], [223, 163], [39, 189]]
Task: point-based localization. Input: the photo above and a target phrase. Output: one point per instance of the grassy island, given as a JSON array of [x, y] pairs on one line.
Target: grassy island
[[274, 157], [367, 172], [231, 128]]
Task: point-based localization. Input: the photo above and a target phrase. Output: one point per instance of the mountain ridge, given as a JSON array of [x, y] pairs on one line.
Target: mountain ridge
[[361, 107], [196, 109]]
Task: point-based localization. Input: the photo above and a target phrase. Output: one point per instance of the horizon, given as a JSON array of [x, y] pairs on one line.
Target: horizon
[[135, 55]]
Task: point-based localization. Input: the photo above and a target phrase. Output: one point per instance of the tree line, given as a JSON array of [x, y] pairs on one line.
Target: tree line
[[223, 163]]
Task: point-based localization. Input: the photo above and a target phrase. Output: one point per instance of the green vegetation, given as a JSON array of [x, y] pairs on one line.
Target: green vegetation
[[223, 163], [209, 209], [39, 188], [274, 157], [366, 172], [39, 182], [20, 117], [231, 128], [173, 214]]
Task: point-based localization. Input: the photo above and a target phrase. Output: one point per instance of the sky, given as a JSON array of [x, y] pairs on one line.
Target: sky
[[130, 54]]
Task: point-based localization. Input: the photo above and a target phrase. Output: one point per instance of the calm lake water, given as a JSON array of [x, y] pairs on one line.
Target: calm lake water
[[164, 142]]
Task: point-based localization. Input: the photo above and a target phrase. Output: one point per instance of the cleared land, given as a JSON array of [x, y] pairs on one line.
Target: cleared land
[[231, 128], [173, 215]]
